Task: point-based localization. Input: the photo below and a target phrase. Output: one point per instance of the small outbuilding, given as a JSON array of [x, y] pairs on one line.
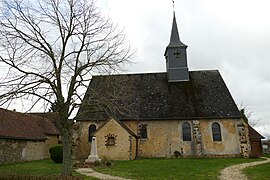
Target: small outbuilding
[[25, 137], [255, 143]]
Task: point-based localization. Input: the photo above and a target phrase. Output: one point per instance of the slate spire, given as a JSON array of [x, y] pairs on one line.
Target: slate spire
[[176, 57], [175, 39]]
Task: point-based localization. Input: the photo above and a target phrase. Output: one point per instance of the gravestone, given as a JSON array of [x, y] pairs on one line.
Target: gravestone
[[93, 157]]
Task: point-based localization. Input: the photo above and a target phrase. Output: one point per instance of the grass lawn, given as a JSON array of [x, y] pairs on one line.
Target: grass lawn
[[261, 172], [206, 168], [141, 169], [37, 168]]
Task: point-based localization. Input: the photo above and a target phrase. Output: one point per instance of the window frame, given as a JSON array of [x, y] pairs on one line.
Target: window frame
[[216, 132], [143, 131], [186, 131], [89, 133], [110, 141]]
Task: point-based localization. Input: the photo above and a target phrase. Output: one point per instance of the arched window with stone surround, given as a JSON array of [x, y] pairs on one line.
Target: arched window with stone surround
[[216, 132], [186, 131], [92, 128]]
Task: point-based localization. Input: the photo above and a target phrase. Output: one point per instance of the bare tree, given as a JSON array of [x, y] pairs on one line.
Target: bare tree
[[247, 116], [49, 50]]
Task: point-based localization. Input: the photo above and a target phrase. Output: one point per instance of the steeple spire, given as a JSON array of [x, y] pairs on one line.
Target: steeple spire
[[175, 39], [176, 57]]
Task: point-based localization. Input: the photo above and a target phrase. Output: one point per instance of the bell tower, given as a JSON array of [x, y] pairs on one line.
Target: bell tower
[[176, 57]]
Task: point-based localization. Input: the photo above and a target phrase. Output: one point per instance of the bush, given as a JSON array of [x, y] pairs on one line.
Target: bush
[[56, 153]]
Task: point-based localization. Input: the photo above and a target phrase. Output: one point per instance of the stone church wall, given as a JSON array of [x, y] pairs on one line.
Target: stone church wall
[[81, 145], [229, 146], [164, 137], [125, 144]]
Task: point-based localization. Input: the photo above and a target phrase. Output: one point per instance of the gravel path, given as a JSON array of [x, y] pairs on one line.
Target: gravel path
[[91, 172], [234, 172]]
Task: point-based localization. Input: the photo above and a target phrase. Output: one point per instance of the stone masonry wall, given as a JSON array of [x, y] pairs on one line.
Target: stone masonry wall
[[123, 148], [228, 146], [165, 137], [81, 145], [12, 151], [197, 136], [243, 138], [34, 150]]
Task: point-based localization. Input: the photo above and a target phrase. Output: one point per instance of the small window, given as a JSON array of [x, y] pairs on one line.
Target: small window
[[110, 141], [92, 129], [186, 132], [216, 132], [143, 131]]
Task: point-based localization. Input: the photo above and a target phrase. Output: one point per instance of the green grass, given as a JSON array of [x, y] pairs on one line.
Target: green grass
[[261, 172], [43, 167], [36, 168], [206, 168]]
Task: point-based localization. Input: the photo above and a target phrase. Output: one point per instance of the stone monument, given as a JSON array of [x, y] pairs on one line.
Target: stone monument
[[93, 157]]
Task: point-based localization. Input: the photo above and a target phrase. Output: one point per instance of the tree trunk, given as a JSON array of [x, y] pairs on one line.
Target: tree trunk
[[67, 160]]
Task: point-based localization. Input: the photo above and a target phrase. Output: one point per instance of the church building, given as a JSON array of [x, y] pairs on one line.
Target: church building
[[177, 112]]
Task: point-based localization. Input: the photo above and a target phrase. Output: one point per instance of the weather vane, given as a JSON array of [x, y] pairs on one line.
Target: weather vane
[[173, 5]]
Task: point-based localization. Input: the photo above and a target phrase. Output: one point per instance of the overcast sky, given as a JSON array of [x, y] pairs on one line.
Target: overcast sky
[[232, 36]]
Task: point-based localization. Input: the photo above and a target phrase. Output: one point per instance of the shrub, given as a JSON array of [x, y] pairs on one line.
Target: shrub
[[56, 153]]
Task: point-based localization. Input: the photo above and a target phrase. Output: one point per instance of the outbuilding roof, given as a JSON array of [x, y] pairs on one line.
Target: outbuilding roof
[[253, 134], [15, 125], [151, 96]]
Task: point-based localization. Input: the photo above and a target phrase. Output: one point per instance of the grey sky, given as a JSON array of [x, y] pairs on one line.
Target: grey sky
[[232, 36]]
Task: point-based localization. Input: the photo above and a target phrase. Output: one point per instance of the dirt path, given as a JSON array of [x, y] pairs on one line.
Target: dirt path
[[234, 172], [91, 172]]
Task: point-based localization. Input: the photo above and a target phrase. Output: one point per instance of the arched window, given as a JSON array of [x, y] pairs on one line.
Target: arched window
[[216, 132], [186, 132], [92, 128]]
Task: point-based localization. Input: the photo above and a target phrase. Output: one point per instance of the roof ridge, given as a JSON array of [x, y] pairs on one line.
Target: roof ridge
[[149, 73]]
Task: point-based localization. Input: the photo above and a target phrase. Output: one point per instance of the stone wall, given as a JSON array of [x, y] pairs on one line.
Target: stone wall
[[230, 140], [165, 137], [34, 150], [12, 151], [244, 143], [124, 147], [81, 145]]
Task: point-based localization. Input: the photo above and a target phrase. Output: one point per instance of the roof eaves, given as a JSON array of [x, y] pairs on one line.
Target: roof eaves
[[183, 118], [24, 138]]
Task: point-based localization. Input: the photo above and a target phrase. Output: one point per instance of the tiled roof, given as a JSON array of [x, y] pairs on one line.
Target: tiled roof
[[150, 96], [120, 123], [52, 116], [15, 125], [253, 134]]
